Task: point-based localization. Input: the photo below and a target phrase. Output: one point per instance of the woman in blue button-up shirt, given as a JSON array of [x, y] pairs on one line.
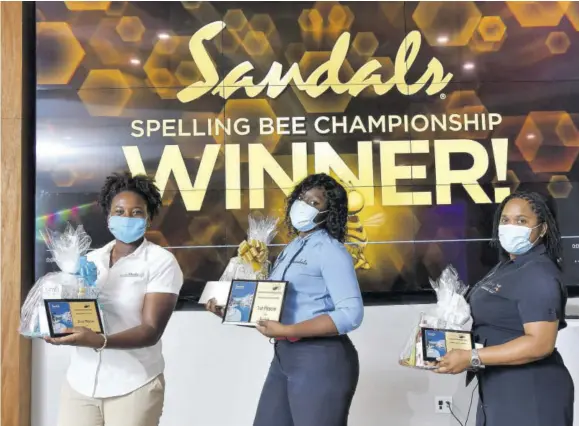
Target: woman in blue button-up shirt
[[315, 369]]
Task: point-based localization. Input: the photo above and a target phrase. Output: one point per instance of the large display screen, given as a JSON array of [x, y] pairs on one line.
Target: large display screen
[[429, 112]]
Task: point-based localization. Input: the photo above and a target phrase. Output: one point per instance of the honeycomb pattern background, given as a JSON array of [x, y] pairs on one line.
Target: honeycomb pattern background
[[101, 65]]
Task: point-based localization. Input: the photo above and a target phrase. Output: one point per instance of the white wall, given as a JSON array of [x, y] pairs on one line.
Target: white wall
[[214, 374]]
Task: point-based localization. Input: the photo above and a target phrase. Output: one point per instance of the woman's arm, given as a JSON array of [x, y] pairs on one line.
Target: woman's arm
[[157, 310], [319, 326], [537, 343], [540, 306], [337, 268], [161, 295], [160, 300]]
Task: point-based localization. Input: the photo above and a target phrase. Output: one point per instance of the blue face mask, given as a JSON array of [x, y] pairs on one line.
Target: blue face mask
[[515, 238], [127, 229], [303, 216]]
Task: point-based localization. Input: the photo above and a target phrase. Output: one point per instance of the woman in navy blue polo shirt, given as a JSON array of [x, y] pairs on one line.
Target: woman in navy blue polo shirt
[[314, 372], [517, 310]]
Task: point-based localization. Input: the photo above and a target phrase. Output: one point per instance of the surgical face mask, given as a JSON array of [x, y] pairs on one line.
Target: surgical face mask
[[127, 229], [303, 216], [515, 238]]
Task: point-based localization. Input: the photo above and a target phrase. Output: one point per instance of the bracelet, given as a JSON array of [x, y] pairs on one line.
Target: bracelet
[[104, 344]]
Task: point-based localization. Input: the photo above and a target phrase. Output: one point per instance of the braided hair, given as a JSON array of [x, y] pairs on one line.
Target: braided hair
[[336, 216], [539, 206], [141, 185]]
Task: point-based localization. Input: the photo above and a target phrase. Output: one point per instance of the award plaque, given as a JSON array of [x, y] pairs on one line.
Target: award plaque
[[253, 301], [68, 313], [436, 343]]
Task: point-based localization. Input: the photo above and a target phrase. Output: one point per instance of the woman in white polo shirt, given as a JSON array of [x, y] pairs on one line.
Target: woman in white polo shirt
[[116, 379]]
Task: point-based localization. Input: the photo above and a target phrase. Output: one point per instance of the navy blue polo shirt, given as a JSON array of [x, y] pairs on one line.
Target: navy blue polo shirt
[[516, 292]]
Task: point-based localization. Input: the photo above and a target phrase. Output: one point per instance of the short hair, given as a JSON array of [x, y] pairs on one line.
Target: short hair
[[539, 206], [336, 218], [142, 185]]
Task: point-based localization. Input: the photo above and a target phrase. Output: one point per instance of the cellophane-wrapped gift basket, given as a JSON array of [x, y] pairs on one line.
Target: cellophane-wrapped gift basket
[[451, 312], [76, 278]]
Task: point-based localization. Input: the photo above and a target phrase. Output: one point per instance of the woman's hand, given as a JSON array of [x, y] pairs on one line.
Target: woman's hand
[[454, 362], [80, 336], [211, 306], [88, 271], [273, 329]]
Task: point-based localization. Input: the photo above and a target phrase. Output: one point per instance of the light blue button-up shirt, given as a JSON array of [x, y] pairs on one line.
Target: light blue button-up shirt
[[322, 280]]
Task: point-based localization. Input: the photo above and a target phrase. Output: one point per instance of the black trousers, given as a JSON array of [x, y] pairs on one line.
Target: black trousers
[[310, 382], [537, 394]]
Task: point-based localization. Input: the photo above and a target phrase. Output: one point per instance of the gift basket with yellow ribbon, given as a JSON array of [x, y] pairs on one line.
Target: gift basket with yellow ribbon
[[251, 262]]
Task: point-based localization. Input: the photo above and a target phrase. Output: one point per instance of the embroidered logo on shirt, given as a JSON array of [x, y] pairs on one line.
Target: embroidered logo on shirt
[[301, 262], [491, 287], [132, 275]]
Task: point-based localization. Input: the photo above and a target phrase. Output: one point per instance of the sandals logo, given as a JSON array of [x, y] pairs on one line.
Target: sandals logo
[[433, 80], [375, 133]]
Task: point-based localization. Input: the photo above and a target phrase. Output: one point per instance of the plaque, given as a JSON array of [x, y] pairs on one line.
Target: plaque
[[436, 343], [69, 313], [252, 301]]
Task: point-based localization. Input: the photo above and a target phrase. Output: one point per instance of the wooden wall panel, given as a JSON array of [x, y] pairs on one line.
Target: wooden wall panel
[[15, 353]]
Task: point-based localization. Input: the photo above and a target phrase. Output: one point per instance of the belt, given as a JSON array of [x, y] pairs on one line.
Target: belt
[[306, 339], [289, 339]]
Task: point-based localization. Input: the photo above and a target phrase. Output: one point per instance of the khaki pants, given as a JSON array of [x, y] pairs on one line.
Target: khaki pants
[[142, 407]]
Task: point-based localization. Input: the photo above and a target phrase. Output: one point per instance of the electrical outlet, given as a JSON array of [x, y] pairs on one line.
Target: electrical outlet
[[442, 404]]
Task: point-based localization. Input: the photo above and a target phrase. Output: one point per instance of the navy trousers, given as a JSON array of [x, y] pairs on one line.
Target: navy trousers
[[310, 382]]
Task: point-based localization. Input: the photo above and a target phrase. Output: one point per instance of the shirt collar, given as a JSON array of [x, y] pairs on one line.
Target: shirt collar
[[140, 251], [312, 235]]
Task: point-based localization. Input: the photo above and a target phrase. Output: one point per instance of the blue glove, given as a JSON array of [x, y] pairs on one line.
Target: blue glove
[[88, 272]]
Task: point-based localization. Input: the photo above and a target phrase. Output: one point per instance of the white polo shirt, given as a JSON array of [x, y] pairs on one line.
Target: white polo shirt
[[122, 289]]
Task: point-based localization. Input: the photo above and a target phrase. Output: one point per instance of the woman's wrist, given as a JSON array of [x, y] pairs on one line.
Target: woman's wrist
[[290, 331], [101, 343]]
